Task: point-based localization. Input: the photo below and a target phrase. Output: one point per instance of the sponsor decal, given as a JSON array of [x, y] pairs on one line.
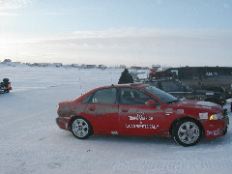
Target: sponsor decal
[[214, 132], [168, 111], [114, 132], [140, 117], [180, 111], [203, 115], [142, 126]]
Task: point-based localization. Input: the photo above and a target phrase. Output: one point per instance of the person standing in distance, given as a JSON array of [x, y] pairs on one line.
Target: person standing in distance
[[125, 77]]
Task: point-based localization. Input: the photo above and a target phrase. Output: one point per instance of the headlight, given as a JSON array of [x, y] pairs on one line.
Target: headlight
[[217, 116]]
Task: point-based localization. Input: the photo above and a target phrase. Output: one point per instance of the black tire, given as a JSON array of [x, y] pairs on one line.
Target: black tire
[[81, 128], [187, 132]]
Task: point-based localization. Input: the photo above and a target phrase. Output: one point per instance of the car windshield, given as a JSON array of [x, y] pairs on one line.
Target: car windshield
[[163, 96]]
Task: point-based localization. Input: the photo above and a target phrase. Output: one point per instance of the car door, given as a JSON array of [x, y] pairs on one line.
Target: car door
[[103, 111], [136, 117]]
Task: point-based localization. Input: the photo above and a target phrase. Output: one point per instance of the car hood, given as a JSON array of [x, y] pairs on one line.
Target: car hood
[[198, 105]]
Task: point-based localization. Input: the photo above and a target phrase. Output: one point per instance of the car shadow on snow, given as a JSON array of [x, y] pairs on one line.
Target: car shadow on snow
[[163, 141], [129, 140], [153, 141]]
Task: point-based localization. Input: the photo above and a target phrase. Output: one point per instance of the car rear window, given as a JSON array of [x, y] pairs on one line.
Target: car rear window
[[104, 96], [132, 96]]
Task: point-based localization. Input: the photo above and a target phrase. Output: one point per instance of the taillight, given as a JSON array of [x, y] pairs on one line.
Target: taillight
[[8, 84]]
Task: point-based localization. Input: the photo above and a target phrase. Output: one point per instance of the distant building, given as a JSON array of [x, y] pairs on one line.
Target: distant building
[[102, 67], [17, 63], [90, 66], [75, 65], [122, 66], [138, 67], [40, 64], [57, 65]]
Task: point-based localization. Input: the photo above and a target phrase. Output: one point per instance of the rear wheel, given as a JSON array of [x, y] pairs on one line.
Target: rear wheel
[[187, 132], [81, 128]]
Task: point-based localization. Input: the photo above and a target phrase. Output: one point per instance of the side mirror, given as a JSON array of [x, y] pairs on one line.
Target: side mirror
[[150, 103]]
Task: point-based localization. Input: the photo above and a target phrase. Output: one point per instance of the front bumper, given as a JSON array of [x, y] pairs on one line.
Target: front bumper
[[216, 128], [63, 122]]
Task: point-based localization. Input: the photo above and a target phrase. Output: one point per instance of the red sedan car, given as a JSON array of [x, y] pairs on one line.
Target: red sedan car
[[141, 110]]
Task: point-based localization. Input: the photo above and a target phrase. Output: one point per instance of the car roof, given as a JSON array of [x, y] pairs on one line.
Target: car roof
[[130, 85], [162, 80]]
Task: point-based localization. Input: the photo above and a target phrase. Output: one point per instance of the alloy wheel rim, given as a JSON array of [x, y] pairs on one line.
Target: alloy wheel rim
[[188, 132], [80, 128]]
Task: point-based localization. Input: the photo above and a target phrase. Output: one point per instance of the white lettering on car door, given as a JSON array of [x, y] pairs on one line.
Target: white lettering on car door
[[141, 117]]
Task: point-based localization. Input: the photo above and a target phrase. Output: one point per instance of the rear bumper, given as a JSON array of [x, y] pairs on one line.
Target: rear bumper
[[216, 128], [63, 122]]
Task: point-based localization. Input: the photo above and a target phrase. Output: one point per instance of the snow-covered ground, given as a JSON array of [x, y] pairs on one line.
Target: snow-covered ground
[[31, 142]]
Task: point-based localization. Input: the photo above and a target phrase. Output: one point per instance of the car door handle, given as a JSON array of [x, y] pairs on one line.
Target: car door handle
[[124, 110], [92, 108]]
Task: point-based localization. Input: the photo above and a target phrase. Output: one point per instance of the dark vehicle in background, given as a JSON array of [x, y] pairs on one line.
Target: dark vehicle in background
[[217, 79], [212, 83], [5, 86], [180, 90], [214, 94], [173, 87]]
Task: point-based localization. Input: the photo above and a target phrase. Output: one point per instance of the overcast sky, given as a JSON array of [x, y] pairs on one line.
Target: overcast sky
[[132, 32]]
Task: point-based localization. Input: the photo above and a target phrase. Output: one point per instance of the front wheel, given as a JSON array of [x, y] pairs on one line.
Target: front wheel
[[187, 132], [81, 128]]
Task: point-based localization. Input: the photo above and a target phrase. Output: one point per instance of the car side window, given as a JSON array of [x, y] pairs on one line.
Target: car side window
[[86, 99], [104, 96], [133, 96]]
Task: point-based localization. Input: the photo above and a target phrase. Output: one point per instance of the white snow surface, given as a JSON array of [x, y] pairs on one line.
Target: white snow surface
[[32, 143]]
